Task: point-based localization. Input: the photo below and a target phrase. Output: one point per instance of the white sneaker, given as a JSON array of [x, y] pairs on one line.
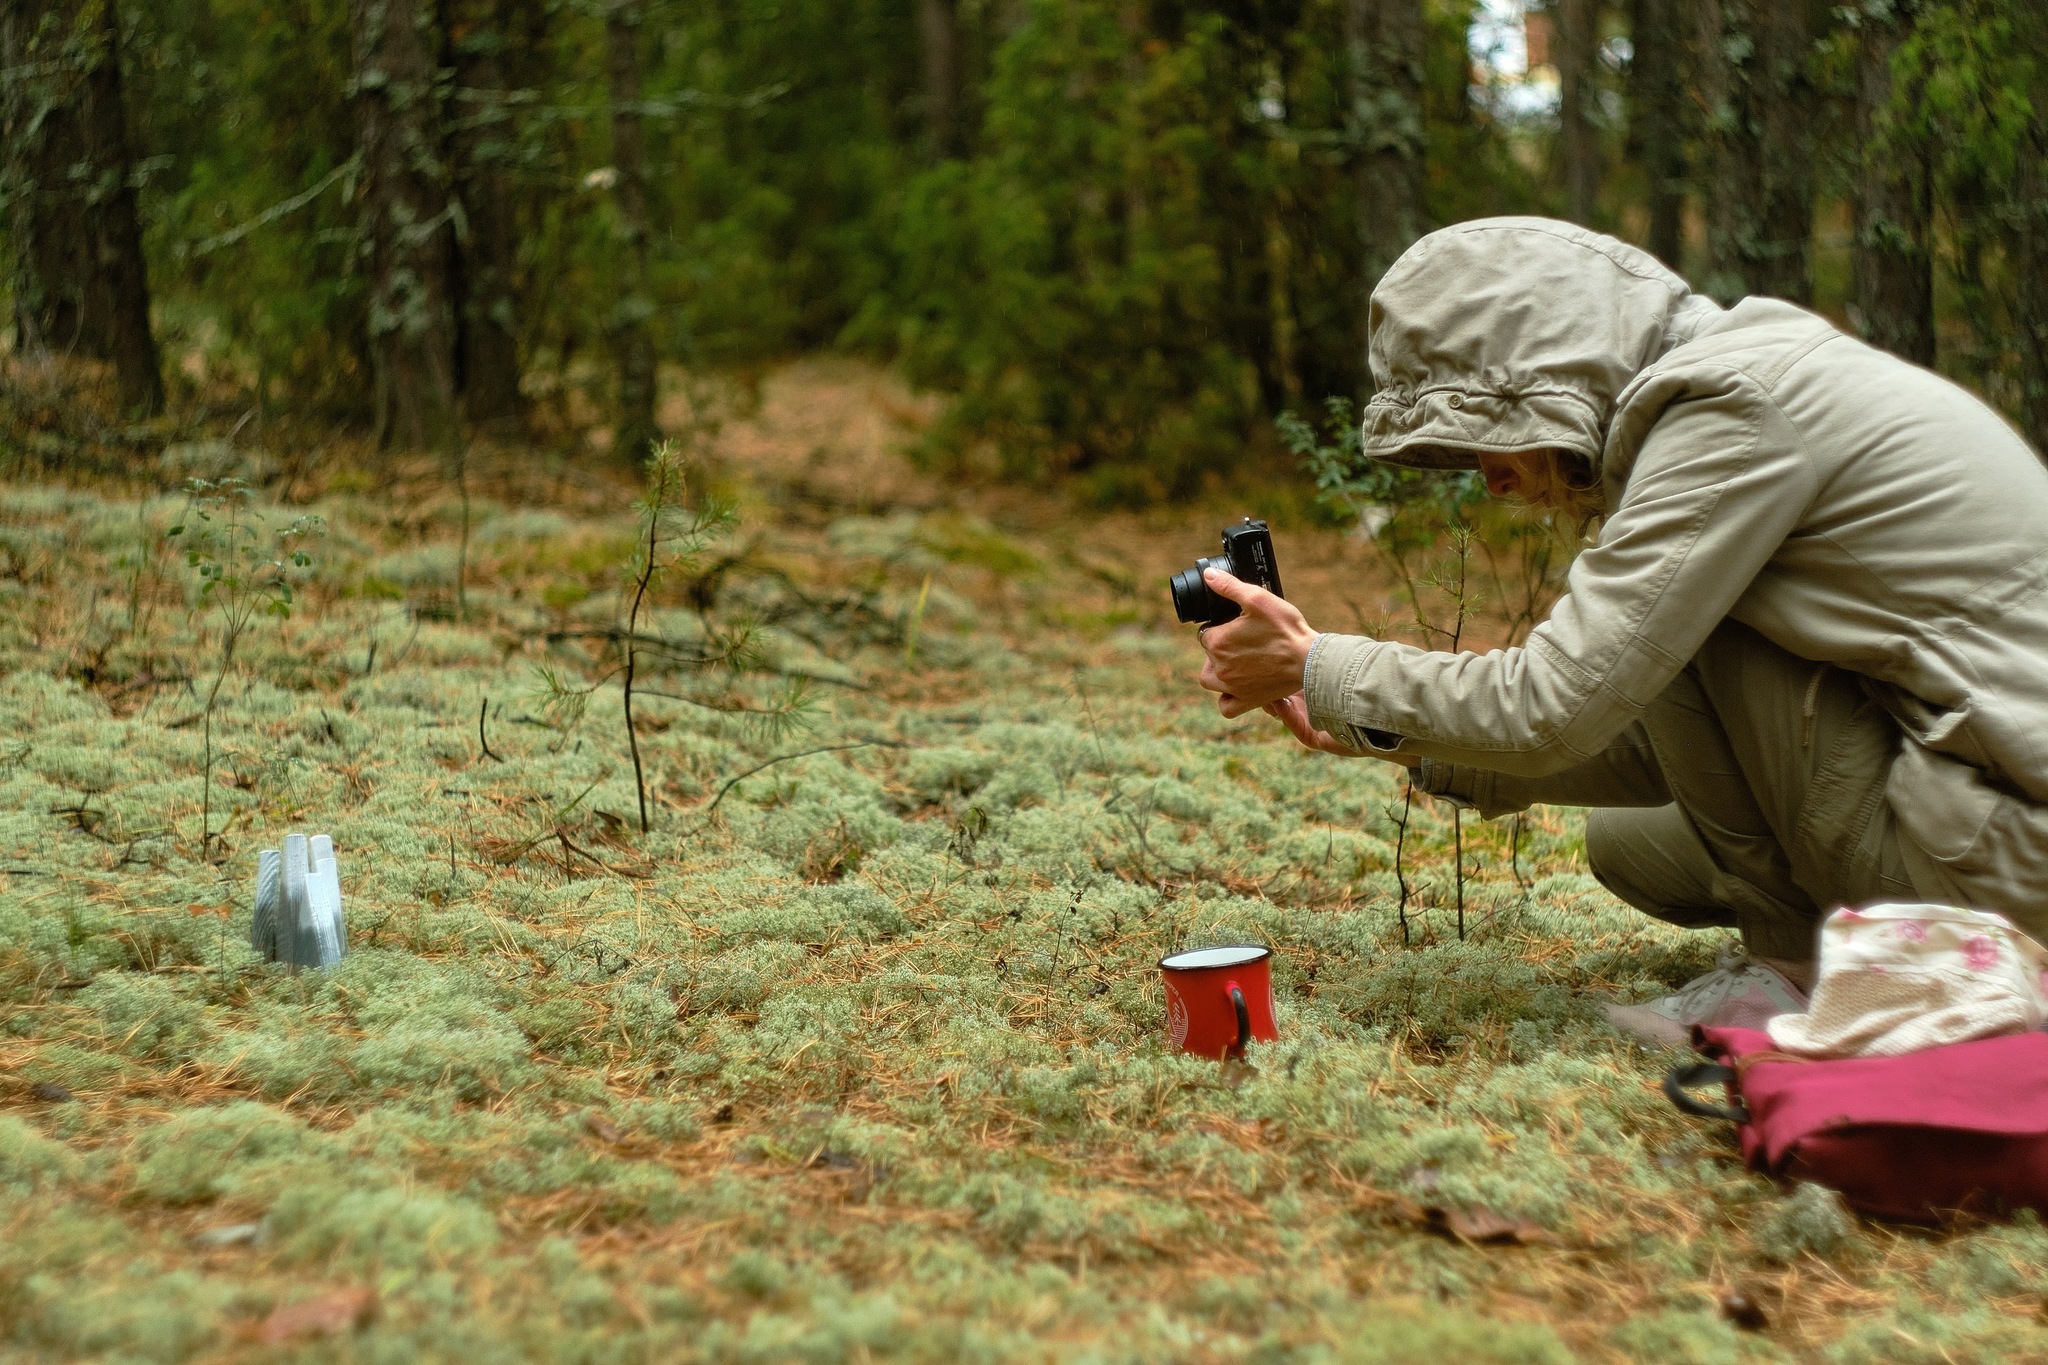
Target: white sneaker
[[1739, 993]]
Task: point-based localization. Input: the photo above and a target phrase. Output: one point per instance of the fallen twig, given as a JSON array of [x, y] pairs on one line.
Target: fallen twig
[[801, 753], [481, 737]]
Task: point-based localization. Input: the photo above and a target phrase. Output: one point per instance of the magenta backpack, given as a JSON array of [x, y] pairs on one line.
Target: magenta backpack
[[1961, 1128]]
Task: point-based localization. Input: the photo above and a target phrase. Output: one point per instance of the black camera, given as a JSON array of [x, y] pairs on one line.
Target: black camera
[[1247, 555]]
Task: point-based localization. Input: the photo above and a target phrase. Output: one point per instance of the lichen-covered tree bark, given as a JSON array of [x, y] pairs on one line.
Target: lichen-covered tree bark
[[1385, 69], [80, 284], [2029, 248], [1765, 110], [938, 24], [632, 339], [408, 222], [1578, 57], [482, 145], [1894, 203], [2027, 231], [1660, 120]]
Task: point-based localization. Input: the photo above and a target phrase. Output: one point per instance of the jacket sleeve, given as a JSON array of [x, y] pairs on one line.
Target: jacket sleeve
[[1625, 773], [1717, 485]]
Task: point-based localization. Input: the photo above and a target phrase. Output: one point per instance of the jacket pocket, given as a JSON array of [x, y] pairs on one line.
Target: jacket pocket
[[1980, 846], [1943, 803]]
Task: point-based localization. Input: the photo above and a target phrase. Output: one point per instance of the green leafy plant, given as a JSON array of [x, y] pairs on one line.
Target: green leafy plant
[[244, 570]]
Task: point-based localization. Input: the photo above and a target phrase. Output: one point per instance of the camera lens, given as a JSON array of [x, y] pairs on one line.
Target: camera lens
[[1190, 595], [1194, 601]]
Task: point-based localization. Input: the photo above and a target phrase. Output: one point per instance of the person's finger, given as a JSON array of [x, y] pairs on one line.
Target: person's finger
[[1233, 707], [1289, 715], [1226, 584], [1284, 709], [1208, 677], [1290, 712], [1293, 713]]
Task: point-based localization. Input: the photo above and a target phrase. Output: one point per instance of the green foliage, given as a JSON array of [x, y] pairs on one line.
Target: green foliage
[[1140, 241], [243, 128], [241, 576], [1389, 1338], [1144, 243], [671, 543], [1970, 82]]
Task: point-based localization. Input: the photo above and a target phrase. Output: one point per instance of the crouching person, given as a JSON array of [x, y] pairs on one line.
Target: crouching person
[[1803, 664]]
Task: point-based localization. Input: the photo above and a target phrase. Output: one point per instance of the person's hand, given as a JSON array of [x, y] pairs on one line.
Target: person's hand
[[1292, 712], [1259, 657]]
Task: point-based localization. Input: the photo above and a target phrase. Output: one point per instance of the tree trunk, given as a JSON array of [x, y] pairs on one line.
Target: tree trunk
[[1385, 39], [481, 143], [1764, 116], [1894, 209], [938, 23], [80, 283], [408, 213], [632, 342], [1658, 121], [1578, 58], [2027, 248], [1283, 337]]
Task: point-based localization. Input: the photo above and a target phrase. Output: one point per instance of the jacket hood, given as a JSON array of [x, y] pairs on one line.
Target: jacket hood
[[1509, 334]]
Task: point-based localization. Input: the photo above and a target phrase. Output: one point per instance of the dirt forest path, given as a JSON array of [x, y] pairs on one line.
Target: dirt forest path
[[826, 438]]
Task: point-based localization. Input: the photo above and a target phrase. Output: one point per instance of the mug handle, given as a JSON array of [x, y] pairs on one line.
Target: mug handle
[[1244, 1021]]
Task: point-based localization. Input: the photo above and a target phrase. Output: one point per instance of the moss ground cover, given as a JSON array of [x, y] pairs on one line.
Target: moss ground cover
[[865, 1063]]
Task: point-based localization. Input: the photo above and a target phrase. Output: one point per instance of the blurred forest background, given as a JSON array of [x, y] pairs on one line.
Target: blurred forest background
[[1124, 235]]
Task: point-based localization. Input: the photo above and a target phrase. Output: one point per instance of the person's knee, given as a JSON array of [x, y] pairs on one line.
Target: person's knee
[[1607, 857], [1649, 858]]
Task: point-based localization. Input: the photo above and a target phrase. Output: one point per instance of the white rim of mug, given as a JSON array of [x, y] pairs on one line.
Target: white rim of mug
[[1253, 952]]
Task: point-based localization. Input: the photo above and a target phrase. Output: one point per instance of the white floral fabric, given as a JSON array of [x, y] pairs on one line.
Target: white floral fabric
[[1897, 978]]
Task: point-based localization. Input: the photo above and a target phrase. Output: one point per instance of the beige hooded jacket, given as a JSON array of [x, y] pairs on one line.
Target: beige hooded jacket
[[1757, 464]]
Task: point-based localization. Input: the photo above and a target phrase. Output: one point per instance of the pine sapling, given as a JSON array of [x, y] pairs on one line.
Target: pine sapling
[[244, 576], [1401, 855], [671, 541]]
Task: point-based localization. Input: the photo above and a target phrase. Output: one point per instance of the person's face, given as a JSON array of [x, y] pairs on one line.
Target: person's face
[[1512, 474]]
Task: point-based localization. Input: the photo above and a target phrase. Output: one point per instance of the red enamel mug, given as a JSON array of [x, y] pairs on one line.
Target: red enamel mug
[[1219, 999]]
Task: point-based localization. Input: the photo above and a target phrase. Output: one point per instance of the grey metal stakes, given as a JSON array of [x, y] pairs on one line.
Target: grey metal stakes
[[298, 916]]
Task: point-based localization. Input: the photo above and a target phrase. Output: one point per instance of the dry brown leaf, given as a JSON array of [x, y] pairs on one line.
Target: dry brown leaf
[[324, 1315], [1481, 1226]]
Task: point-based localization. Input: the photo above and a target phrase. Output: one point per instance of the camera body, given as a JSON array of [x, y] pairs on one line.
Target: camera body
[[1247, 555]]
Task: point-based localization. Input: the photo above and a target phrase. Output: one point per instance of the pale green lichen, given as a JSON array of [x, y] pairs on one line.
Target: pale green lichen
[[871, 1060], [1811, 1221]]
